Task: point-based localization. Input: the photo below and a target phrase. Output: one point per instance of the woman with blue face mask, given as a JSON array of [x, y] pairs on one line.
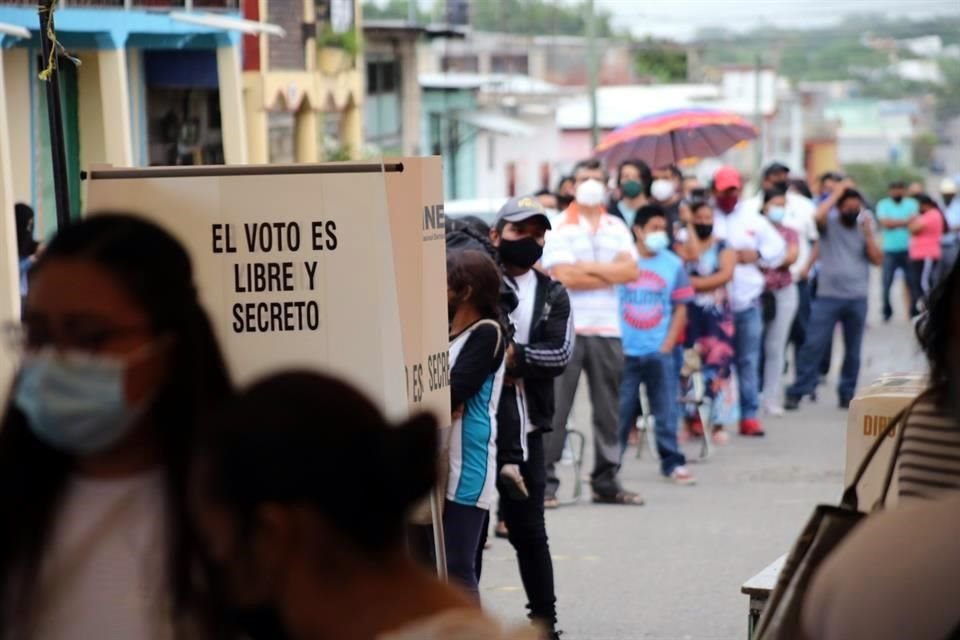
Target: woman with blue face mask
[[780, 301], [118, 359]]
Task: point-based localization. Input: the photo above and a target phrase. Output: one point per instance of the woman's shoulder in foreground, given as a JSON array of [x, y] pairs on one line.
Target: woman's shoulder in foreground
[[460, 624]]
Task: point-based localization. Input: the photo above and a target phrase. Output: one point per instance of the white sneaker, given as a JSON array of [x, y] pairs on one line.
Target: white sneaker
[[774, 410], [682, 476]]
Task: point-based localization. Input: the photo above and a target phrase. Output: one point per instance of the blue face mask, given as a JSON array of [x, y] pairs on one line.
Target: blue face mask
[[656, 241], [776, 214], [74, 402]]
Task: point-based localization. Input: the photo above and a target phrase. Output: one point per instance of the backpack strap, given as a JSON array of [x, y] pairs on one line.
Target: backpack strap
[[850, 498], [496, 325]]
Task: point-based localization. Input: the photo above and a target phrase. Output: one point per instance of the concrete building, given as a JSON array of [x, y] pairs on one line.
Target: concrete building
[[303, 93], [392, 118], [152, 88], [874, 131], [497, 132], [160, 85], [557, 59]]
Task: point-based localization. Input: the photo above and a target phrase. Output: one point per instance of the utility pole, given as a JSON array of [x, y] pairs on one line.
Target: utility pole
[[412, 11], [758, 116], [592, 72], [61, 184]]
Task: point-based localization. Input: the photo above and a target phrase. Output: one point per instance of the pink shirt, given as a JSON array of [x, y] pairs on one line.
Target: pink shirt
[[925, 244]]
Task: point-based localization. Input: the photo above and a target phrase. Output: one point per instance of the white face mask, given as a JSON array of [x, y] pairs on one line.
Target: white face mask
[[590, 193], [662, 190]]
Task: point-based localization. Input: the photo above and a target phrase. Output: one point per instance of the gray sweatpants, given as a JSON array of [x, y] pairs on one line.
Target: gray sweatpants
[[602, 360]]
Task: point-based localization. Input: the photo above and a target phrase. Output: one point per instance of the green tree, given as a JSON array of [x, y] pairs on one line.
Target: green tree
[[948, 94], [872, 179], [662, 62]]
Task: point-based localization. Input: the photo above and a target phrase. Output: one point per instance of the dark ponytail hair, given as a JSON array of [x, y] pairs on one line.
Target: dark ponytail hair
[[477, 272], [773, 192], [155, 270], [936, 329], [308, 439]]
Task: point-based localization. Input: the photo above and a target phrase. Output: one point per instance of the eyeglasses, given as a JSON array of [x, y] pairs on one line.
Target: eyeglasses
[[77, 333]]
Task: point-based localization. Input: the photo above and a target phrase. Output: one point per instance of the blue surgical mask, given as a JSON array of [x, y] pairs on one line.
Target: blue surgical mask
[[776, 214], [656, 241], [73, 401]]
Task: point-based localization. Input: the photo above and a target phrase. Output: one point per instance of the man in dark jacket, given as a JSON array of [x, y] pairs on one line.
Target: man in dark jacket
[[541, 348]]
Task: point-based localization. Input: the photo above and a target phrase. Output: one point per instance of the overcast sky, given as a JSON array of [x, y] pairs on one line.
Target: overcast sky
[[681, 19]]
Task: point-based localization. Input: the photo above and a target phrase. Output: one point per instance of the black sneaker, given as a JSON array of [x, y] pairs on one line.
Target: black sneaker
[[844, 403], [791, 403]]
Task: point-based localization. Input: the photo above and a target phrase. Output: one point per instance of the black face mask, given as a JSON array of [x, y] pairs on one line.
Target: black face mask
[[781, 185], [849, 218], [703, 231], [897, 199], [522, 253]]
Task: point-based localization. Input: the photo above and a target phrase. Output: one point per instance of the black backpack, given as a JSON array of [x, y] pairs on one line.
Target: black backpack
[[466, 234]]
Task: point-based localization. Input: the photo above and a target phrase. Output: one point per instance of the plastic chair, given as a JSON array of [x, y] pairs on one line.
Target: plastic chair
[[575, 443]]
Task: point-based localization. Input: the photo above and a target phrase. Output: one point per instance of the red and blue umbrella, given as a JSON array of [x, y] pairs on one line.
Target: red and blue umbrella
[[667, 137]]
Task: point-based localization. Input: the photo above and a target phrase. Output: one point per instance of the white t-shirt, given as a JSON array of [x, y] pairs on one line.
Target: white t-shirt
[[800, 216], [573, 240], [522, 316], [744, 228], [104, 572], [894, 577]]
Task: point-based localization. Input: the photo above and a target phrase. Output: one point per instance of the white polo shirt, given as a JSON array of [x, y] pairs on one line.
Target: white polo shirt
[[573, 240], [745, 228]]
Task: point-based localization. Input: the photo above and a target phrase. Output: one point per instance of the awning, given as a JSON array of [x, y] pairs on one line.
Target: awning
[[496, 123], [14, 30], [248, 27]]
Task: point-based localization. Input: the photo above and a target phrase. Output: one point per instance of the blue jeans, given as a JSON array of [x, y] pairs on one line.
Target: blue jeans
[[893, 260], [826, 313], [655, 371], [747, 343]]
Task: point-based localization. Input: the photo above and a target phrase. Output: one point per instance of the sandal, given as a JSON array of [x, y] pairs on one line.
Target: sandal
[[622, 497], [500, 531]]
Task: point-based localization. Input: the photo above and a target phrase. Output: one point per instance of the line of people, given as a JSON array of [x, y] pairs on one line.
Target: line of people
[[618, 290]]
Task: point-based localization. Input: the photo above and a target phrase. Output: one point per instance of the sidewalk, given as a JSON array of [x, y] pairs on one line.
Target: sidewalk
[[672, 569]]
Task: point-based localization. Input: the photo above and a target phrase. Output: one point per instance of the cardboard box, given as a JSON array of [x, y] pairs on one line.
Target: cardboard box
[[870, 413], [328, 267]]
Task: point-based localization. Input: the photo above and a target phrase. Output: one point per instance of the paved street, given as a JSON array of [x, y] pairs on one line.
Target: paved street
[[673, 568]]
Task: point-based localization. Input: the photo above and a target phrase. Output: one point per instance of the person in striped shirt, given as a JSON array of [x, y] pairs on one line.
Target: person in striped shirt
[[591, 252], [929, 457]]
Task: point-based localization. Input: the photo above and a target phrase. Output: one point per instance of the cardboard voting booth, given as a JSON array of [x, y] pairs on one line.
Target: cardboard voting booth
[[870, 413], [337, 267]]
